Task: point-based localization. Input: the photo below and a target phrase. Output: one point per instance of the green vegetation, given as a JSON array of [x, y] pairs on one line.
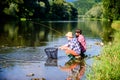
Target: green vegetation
[[111, 9], [60, 9], [116, 25], [37, 9], [107, 67], [95, 11], [84, 5]]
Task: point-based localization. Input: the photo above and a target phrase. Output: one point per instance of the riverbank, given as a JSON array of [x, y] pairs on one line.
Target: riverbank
[[107, 67]]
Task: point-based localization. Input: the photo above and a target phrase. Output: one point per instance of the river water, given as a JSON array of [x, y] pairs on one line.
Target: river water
[[22, 44]]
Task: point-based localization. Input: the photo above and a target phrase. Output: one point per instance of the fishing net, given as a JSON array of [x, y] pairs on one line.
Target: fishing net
[[51, 52]]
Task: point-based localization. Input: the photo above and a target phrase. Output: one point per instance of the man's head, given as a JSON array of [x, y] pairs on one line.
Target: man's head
[[69, 35], [78, 32]]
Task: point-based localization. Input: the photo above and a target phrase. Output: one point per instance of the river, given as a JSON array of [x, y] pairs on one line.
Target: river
[[22, 55]]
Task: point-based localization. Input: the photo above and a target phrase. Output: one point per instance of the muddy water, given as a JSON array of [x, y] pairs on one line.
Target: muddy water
[[22, 55]]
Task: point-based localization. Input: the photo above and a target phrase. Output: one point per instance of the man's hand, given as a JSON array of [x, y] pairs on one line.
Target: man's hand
[[63, 47]]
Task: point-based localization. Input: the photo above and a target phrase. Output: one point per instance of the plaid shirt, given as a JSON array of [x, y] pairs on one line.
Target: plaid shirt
[[74, 45]]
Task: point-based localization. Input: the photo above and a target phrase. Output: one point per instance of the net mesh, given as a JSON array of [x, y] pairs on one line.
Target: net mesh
[[51, 52]]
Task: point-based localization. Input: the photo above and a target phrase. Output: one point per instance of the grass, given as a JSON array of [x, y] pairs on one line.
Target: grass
[[108, 67], [116, 25]]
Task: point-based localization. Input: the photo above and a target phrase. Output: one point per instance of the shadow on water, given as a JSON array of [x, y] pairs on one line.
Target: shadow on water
[[22, 47]]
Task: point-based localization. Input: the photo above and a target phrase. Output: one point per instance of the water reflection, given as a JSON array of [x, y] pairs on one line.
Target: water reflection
[[51, 62], [107, 32], [38, 33], [32, 33], [75, 69]]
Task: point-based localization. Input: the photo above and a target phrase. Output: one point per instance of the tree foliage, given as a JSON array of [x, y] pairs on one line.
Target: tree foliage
[[95, 12], [111, 9], [63, 10], [41, 9], [84, 5]]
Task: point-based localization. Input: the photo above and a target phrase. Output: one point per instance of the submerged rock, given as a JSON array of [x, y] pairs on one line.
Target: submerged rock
[[30, 74], [38, 79]]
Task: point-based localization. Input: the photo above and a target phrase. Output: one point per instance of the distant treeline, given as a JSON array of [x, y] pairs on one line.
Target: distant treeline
[[108, 9], [37, 9], [59, 9]]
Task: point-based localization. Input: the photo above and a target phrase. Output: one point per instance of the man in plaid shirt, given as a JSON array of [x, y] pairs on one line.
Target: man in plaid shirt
[[72, 47]]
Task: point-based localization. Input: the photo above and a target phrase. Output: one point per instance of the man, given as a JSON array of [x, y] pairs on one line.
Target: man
[[72, 48], [81, 40]]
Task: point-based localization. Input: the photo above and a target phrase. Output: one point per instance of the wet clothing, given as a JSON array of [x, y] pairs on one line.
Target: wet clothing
[[74, 45], [82, 42]]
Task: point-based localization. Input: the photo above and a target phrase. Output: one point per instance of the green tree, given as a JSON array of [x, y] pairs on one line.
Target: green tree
[[24, 8], [96, 11], [84, 5], [3, 4], [41, 9], [111, 9], [63, 11]]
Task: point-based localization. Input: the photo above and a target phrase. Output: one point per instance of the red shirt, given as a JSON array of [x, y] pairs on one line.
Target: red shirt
[[82, 41]]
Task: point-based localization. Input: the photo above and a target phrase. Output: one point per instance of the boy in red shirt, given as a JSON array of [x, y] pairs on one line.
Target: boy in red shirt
[[81, 40]]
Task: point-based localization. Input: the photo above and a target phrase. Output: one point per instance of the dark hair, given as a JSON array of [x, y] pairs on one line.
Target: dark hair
[[79, 31]]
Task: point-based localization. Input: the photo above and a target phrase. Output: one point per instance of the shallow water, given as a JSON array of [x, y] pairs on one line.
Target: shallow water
[[22, 62], [25, 58]]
